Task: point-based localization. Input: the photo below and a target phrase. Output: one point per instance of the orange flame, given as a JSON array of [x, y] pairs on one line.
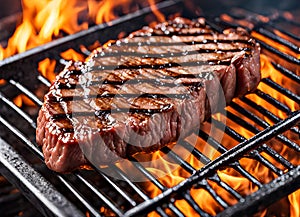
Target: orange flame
[[294, 199], [22, 99], [268, 71], [2, 82], [46, 68], [239, 183], [160, 16], [103, 11], [45, 20], [276, 44], [18, 101], [71, 54]]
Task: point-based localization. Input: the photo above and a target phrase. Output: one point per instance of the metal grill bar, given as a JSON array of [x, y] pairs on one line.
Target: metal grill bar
[[28, 178], [120, 191], [24, 90], [143, 195], [151, 178], [204, 184], [228, 188], [255, 154], [199, 155], [270, 115], [260, 122], [199, 179], [286, 72], [273, 24], [107, 201], [282, 90], [18, 110], [44, 80], [40, 155], [189, 168], [226, 159], [222, 149], [219, 147], [276, 156], [273, 102], [275, 37], [163, 188], [215, 177], [194, 205], [288, 183]]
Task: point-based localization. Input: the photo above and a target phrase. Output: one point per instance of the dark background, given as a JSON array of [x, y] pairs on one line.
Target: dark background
[[8, 7]]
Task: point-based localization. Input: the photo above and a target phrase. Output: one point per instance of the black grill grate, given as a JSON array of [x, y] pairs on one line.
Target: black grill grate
[[100, 195]]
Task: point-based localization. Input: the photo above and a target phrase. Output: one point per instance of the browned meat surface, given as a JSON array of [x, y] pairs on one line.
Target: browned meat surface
[[143, 92]]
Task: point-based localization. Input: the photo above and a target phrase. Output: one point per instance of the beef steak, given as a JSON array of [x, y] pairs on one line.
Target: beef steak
[[143, 92]]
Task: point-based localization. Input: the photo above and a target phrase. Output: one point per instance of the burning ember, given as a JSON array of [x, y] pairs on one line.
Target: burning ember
[[46, 20]]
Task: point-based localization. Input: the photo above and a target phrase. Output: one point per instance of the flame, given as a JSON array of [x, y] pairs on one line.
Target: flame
[[71, 54], [294, 199], [268, 71], [243, 186], [286, 37], [42, 21], [103, 11], [47, 67], [18, 101], [275, 44], [160, 17], [45, 20], [22, 99]]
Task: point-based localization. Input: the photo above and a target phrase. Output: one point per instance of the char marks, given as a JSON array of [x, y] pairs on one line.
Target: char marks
[[159, 64], [143, 92]]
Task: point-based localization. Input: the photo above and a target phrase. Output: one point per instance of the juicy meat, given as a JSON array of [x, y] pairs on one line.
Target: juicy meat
[[143, 92]]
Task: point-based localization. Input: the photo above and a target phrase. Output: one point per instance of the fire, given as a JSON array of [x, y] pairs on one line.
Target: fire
[[22, 99], [268, 71], [42, 21], [160, 17], [230, 176], [71, 54], [275, 44], [18, 101], [2, 82], [98, 10], [46, 20], [47, 67], [294, 199]]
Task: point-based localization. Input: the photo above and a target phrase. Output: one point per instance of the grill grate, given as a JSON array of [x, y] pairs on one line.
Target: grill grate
[[100, 195]]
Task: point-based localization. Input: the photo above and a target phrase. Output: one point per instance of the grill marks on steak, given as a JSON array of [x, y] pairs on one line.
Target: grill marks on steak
[[142, 92]]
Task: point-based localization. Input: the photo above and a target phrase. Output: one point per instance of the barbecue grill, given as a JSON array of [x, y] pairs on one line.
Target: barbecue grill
[[93, 193]]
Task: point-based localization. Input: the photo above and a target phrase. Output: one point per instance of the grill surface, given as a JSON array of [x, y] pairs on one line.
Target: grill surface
[[100, 195]]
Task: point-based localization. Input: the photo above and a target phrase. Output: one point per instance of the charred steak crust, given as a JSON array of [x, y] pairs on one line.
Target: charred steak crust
[[142, 92]]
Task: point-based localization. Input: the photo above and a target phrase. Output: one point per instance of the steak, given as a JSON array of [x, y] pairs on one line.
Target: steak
[[143, 92]]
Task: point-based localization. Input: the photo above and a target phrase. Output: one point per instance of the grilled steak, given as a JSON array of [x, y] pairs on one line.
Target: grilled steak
[[143, 92]]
